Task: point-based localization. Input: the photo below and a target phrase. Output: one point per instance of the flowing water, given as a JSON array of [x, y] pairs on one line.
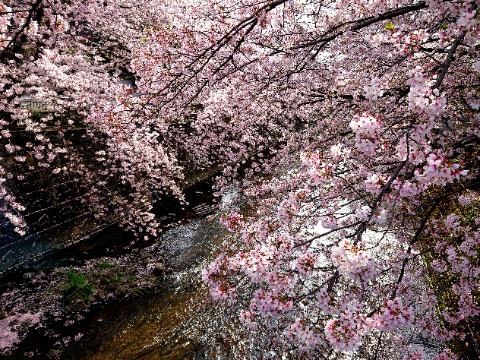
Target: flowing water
[[163, 326], [159, 323]]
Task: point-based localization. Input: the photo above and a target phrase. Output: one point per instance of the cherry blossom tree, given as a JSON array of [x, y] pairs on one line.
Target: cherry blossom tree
[[60, 62], [370, 224], [350, 128]]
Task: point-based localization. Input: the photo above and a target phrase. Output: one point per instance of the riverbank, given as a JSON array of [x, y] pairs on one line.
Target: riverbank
[[72, 302]]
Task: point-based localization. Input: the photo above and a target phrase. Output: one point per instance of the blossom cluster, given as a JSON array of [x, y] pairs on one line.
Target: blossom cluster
[[393, 314], [440, 170], [345, 332], [367, 129], [353, 260], [231, 221], [305, 337]]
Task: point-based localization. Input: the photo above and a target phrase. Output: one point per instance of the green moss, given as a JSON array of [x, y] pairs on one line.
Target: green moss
[[75, 280], [442, 282], [78, 282], [88, 293], [106, 264], [116, 278]]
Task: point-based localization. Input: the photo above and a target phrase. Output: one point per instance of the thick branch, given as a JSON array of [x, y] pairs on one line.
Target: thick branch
[[449, 59], [362, 23], [20, 31]]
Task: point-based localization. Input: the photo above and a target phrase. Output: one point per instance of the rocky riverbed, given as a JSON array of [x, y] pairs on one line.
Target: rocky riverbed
[[112, 297]]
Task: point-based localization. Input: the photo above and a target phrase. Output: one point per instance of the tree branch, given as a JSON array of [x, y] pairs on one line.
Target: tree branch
[[449, 59], [35, 5]]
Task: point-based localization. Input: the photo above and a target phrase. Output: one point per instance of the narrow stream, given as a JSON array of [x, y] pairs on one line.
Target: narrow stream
[[159, 327], [152, 323]]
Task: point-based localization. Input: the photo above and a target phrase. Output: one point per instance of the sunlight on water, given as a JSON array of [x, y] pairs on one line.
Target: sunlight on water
[[156, 333], [165, 328]]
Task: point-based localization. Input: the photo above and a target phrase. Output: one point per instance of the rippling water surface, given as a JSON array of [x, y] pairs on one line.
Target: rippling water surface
[[161, 327]]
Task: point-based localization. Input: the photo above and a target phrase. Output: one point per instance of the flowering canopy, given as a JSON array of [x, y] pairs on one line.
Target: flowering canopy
[[352, 125]]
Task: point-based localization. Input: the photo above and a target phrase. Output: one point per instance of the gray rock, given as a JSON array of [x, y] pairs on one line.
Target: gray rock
[[53, 354], [159, 268], [101, 295], [29, 275], [119, 293]]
